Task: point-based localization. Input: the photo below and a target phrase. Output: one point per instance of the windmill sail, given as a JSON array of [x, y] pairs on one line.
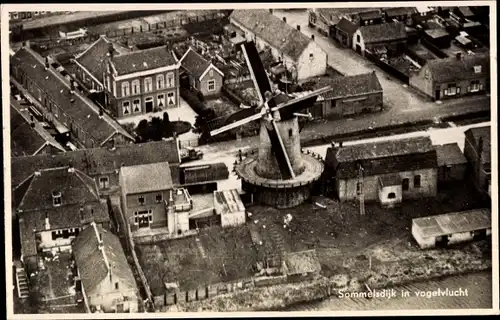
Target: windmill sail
[[279, 152], [257, 70]]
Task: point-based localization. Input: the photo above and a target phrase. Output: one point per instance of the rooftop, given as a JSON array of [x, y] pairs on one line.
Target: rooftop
[[383, 32], [347, 26], [390, 180], [228, 201], [143, 60], [399, 11], [273, 30], [456, 222], [475, 134], [449, 154], [437, 33], [454, 69], [345, 86], [194, 63], [368, 15], [146, 178]]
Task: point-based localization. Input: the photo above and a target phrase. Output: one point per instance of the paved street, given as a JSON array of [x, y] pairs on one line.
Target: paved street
[[346, 61]]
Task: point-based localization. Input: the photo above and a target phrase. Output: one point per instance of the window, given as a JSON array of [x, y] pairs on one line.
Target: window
[[452, 90], [125, 89], [406, 184], [474, 86], [311, 56], [116, 285], [158, 198], [137, 105], [126, 107], [290, 132], [359, 187], [416, 181], [161, 100], [358, 38], [211, 73], [148, 84], [171, 98], [170, 80], [56, 198], [141, 200], [103, 182], [477, 69], [143, 218], [160, 81], [391, 195], [136, 87], [211, 85]]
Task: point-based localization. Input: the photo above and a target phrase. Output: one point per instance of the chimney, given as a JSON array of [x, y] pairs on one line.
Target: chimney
[[46, 63], [101, 244], [298, 27], [101, 112], [72, 86], [284, 19], [47, 222], [459, 55], [32, 121]]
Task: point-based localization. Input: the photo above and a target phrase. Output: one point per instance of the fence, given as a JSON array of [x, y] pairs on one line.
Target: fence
[[387, 67]]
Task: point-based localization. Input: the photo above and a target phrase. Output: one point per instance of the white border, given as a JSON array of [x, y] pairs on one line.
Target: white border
[[5, 8]]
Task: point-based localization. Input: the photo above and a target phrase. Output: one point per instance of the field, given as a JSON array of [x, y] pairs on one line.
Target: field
[[215, 255]]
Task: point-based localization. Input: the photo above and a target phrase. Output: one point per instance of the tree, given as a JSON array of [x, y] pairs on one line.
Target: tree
[[156, 129], [142, 130], [168, 129]]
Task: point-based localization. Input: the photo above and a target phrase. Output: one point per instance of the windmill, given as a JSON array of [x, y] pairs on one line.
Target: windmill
[[280, 164]]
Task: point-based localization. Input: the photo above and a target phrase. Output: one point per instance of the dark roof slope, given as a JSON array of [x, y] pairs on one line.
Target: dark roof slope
[[449, 154], [453, 69], [399, 11], [145, 178], [24, 140], [347, 26], [194, 63], [374, 14], [475, 134], [149, 59], [97, 128], [350, 85], [383, 32], [273, 30], [94, 264], [382, 157], [98, 160]]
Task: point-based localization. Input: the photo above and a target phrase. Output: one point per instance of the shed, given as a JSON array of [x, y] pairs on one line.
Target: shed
[[390, 191], [451, 163], [229, 206], [301, 264], [451, 228]]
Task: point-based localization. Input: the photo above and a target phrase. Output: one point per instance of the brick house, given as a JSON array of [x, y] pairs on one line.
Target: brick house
[[53, 206], [101, 164], [453, 77], [107, 282], [203, 75], [141, 82], [349, 95], [477, 150], [90, 64], [389, 37], [69, 111], [301, 55], [392, 171]]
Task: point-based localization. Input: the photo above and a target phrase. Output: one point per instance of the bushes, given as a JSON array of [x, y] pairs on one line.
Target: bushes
[[154, 130]]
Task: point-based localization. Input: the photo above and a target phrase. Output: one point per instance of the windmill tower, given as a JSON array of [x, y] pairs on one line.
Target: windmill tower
[[280, 174]]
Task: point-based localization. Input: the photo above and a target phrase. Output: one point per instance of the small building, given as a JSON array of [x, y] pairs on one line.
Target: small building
[[451, 228], [324, 19], [301, 265], [438, 37], [53, 207], [453, 77], [28, 137], [301, 55], [344, 31], [203, 178], [90, 63], [477, 151], [401, 14], [368, 18], [349, 95], [107, 282], [203, 75], [452, 163], [145, 193], [370, 170], [229, 206], [390, 37]]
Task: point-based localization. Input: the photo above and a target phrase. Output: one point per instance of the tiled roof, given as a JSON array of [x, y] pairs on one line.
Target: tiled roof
[[347, 26], [146, 178], [437, 33], [399, 11], [143, 60], [383, 32], [98, 160], [24, 140], [374, 14], [449, 154], [93, 57], [335, 14], [345, 86], [97, 128], [273, 30], [382, 157], [95, 264], [453, 69], [475, 134], [75, 187], [466, 12], [194, 63]]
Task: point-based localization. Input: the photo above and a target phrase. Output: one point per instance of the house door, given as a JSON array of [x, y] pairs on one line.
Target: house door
[[479, 235], [358, 48], [437, 94], [149, 104], [442, 241]]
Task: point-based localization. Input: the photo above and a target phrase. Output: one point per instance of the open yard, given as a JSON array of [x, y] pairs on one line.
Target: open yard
[[222, 106], [214, 255]]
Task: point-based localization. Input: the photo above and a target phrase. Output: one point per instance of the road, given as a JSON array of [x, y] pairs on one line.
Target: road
[[228, 155], [397, 96]]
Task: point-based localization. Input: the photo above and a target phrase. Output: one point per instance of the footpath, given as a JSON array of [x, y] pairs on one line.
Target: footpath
[[384, 122]]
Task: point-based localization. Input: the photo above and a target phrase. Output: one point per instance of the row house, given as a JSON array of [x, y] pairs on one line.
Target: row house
[[477, 150], [453, 77], [141, 82], [387, 172], [60, 103], [53, 206], [300, 54]]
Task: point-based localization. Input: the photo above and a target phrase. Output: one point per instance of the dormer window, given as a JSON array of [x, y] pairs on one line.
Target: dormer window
[[477, 69], [56, 198]]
